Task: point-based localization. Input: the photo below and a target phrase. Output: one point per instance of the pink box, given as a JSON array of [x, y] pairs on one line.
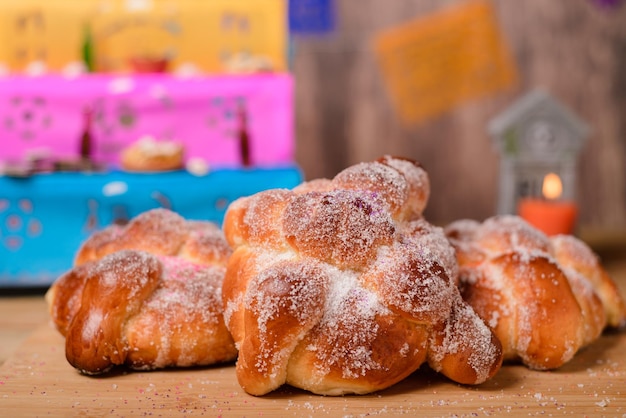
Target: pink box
[[46, 114]]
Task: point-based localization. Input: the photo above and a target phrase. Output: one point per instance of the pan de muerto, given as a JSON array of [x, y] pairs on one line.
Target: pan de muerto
[[544, 297], [146, 295], [340, 286]]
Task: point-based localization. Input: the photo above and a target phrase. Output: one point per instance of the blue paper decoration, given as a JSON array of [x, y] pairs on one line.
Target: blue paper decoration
[[311, 16]]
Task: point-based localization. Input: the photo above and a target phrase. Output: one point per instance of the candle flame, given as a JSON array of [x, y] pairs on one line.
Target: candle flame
[[552, 186]]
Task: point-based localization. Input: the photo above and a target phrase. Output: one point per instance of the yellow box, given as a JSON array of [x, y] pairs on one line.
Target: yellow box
[[209, 35]]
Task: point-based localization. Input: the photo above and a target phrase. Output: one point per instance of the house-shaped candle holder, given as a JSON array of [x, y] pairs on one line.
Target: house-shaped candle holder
[[539, 140]]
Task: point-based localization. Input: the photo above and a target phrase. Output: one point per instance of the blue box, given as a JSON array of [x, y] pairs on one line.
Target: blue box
[[45, 218]]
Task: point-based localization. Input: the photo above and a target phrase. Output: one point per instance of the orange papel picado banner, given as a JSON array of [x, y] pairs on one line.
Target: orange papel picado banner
[[435, 62]]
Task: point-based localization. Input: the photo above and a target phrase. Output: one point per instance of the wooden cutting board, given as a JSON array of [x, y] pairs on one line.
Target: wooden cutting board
[[38, 381]]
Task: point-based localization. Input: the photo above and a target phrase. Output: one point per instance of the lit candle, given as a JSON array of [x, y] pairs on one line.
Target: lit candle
[[550, 215]]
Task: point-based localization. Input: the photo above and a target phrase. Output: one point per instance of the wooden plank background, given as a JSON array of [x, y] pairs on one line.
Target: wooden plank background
[[572, 48]]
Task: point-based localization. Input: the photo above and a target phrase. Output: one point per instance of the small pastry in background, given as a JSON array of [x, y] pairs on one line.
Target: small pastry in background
[[146, 295], [147, 154], [544, 297]]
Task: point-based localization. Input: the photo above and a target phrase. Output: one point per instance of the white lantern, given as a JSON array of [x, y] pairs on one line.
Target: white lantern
[[539, 141]]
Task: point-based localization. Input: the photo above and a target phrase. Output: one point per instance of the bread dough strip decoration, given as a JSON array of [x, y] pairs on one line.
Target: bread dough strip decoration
[[341, 286], [545, 297], [146, 295]]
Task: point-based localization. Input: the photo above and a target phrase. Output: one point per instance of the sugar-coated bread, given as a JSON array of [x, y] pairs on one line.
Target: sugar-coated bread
[[544, 297], [147, 154], [146, 295], [340, 286]]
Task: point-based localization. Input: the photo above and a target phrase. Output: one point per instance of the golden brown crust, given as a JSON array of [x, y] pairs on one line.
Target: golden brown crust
[[70, 293], [340, 286], [540, 295], [149, 155], [463, 348], [94, 337], [147, 295], [580, 262], [254, 219]]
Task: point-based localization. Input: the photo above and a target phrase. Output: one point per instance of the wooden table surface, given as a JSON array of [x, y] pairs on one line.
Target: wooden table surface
[[36, 380]]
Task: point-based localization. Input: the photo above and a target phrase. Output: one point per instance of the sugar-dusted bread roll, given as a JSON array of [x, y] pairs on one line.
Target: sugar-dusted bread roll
[[146, 295], [545, 297], [340, 286], [148, 154]]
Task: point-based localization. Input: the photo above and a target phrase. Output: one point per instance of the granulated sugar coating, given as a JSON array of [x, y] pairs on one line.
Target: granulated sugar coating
[[341, 227], [341, 286], [544, 297], [146, 295]]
